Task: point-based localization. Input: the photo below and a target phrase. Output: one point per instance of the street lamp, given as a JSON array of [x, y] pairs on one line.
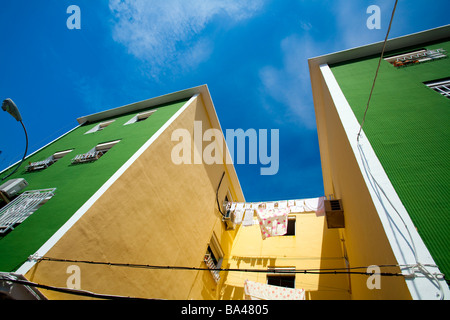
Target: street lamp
[[10, 107]]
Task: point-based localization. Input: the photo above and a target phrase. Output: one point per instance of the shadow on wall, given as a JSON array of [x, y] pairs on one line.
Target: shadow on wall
[[234, 292], [331, 286]]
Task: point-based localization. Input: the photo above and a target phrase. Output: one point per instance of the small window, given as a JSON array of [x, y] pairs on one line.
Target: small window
[[214, 257], [40, 165], [95, 153], [291, 226], [281, 280], [141, 117], [58, 155], [440, 86], [15, 212], [100, 126]]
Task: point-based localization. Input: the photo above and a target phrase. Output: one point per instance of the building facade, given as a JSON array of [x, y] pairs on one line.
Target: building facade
[[392, 173], [119, 217], [116, 196]]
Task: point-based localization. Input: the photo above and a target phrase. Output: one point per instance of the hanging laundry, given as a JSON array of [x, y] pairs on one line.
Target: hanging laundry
[[248, 217], [315, 205], [239, 213], [296, 206], [242, 213], [260, 291], [273, 222]]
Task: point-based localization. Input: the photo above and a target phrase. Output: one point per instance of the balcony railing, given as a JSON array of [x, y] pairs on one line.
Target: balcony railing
[[87, 157], [40, 165], [212, 267], [22, 207]]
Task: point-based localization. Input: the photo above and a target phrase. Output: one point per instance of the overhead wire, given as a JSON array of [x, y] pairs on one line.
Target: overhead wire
[[77, 292], [378, 68], [91, 294], [277, 271]]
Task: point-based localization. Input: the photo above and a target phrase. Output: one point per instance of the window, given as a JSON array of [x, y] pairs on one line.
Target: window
[[22, 207], [440, 86], [95, 153], [100, 126], [281, 280], [40, 165], [141, 117], [414, 57], [291, 226], [214, 257]]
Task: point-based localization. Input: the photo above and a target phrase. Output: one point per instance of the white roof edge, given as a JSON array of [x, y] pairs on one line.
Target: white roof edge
[[375, 48], [136, 106]]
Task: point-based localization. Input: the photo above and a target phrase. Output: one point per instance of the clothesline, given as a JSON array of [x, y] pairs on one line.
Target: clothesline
[[272, 215]]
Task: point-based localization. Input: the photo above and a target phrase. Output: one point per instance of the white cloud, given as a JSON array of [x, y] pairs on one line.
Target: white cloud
[[290, 84], [170, 33], [351, 22]]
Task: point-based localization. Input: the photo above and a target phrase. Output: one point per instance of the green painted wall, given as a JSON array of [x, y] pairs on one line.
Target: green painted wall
[[408, 126], [75, 183]]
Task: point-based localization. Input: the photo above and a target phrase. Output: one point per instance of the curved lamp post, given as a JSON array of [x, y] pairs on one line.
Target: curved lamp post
[[10, 107]]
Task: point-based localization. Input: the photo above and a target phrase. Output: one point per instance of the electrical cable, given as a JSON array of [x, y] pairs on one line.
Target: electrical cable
[[70, 291], [217, 195], [378, 68], [24, 155], [278, 271]]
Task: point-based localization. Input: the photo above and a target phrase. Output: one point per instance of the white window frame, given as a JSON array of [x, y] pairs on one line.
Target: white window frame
[[44, 164], [141, 117], [95, 153], [100, 126]]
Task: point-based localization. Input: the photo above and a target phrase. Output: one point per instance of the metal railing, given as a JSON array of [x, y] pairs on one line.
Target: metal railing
[[22, 207], [39, 165], [87, 157], [212, 267]]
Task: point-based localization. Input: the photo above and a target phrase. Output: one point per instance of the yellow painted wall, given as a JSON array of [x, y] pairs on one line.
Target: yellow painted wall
[[156, 213], [314, 246], [364, 236]]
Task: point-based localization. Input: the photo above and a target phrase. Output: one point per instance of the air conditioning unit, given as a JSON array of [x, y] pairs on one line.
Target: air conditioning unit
[[334, 214], [228, 217], [11, 187]]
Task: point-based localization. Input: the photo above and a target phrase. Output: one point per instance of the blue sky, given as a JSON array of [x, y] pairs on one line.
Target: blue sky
[[251, 54]]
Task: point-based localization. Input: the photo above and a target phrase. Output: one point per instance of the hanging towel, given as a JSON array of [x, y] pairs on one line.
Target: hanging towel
[[315, 205], [273, 222], [248, 218], [238, 214], [296, 206]]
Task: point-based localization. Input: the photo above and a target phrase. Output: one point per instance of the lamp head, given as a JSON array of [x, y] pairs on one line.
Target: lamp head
[[9, 106]]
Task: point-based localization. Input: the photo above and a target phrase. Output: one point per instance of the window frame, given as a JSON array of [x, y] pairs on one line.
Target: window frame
[[141, 117], [44, 164], [280, 274], [101, 126], [214, 252], [95, 153], [291, 226]]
